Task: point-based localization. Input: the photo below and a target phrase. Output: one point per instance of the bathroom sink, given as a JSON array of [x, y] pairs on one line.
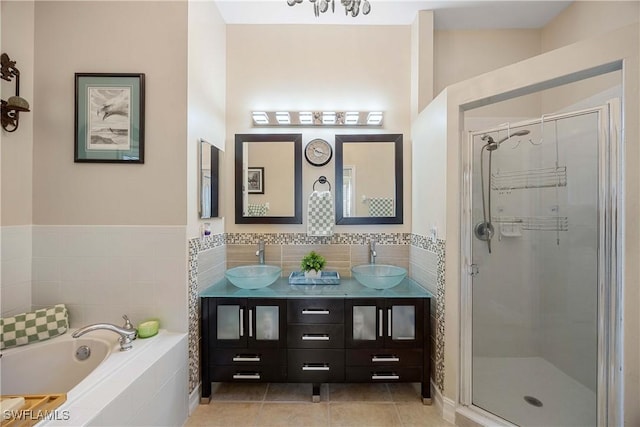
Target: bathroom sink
[[379, 276], [253, 276]]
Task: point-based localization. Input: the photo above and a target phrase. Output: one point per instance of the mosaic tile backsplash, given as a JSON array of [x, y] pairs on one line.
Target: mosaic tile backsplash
[[342, 251]]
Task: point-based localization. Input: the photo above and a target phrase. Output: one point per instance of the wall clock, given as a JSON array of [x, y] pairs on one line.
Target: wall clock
[[318, 152]]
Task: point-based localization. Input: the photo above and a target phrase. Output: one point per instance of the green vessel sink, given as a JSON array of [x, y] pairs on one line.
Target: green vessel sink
[[253, 276], [378, 276]]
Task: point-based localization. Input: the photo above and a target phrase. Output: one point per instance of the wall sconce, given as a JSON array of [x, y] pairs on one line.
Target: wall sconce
[[11, 108], [317, 118]]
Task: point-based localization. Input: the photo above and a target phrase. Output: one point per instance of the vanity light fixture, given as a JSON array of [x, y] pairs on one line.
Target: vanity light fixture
[[11, 108], [317, 118]]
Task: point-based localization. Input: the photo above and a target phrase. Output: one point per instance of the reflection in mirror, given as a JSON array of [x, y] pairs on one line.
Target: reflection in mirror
[[268, 178], [208, 155], [369, 179]]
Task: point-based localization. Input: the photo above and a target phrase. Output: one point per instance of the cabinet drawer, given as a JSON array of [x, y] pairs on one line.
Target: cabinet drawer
[[226, 373], [315, 336], [384, 356], [248, 357], [321, 310], [383, 374], [315, 366]]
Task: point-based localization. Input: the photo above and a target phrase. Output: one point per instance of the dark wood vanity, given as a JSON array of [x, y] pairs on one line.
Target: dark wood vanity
[[316, 334]]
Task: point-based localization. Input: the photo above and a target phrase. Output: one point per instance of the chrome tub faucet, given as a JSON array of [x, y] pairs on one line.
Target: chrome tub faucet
[[127, 332]]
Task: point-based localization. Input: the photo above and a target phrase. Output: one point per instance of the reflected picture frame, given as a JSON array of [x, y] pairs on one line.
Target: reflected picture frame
[[255, 180], [109, 118]]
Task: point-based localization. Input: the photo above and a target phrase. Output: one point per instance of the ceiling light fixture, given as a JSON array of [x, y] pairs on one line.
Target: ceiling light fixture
[[317, 118], [351, 7]]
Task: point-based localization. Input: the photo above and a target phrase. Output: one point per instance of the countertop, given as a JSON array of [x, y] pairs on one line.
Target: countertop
[[348, 288]]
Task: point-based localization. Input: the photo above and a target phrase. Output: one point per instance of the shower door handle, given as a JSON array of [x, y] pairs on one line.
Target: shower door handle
[[473, 270]]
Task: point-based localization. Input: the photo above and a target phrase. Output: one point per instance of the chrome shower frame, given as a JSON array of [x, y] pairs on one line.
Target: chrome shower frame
[[610, 267]]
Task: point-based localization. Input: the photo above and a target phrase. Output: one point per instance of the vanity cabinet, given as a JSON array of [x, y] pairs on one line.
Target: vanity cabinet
[[244, 339], [335, 333]]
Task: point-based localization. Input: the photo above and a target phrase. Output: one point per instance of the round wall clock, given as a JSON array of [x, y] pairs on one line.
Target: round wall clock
[[318, 152]]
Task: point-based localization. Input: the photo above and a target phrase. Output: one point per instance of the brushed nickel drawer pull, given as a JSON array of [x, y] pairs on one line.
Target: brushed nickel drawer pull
[[385, 377], [255, 376], [242, 322], [390, 331], [380, 327], [310, 367], [309, 337], [385, 359], [314, 311], [247, 358], [250, 322]]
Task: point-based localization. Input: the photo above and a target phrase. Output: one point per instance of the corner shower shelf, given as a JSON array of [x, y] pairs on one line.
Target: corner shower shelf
[[537, 223], [533, 178]]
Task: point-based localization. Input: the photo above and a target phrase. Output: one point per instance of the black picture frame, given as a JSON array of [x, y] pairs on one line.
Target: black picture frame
[[109, 118], [255, 180]]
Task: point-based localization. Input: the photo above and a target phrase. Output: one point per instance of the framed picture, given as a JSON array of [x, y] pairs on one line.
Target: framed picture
[[255, 180], [109, 118]]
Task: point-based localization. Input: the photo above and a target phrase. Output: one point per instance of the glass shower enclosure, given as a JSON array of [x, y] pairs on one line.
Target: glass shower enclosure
[[539, 257]]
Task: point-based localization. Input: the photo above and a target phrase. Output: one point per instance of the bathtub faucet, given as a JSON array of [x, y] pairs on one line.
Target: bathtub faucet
[[127, 332]]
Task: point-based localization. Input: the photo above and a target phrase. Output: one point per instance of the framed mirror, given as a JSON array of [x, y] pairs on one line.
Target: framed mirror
[[368, 179], [209, 162], [268, 176]]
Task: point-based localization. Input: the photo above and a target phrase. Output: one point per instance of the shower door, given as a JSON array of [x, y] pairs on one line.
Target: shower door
[[538, 255]]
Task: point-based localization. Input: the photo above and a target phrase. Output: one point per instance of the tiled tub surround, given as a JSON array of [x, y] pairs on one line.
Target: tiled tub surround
[[15, 269], [427, 267]]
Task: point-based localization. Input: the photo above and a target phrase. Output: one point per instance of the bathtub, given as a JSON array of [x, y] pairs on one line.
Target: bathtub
[[146, 385]]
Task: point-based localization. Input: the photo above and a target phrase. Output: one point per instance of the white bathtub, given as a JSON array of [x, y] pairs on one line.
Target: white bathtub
[[146, 385]]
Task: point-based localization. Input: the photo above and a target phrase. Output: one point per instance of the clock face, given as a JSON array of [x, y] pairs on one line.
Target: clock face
[[318, 152]]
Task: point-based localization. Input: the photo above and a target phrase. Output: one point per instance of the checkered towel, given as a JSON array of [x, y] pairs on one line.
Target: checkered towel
[[381, 206], [256, 210], [320, 219], [38, 325]]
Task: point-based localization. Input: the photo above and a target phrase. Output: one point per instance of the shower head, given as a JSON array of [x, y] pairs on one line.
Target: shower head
[[493, 145]]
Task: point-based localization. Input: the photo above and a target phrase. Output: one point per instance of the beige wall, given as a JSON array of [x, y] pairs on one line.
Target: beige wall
[[206, 100], [16, 149], [134, 37], [422, 61], [318, 67]]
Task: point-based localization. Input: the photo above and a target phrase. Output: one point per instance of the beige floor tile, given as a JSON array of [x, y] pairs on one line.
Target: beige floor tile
[[359, 392], [293, 414], [405, 392], [238, 392], [417, 414], [363, 414], [225, 414], [291, 392]]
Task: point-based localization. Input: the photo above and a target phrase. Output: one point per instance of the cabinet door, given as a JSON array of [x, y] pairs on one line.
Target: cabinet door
[[249, 323], [364, 323], [266, 323], [391, 323]]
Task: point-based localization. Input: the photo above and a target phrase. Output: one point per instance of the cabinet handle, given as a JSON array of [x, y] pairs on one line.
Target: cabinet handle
[[385, 359], [385, 377], [247, 358], [310, 367], [253, 376], [389, 322], [250, 322], [314, 311], [308, 337], [242, 322], [380, 327]]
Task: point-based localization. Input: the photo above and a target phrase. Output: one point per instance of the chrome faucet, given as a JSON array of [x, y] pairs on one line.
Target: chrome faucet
[[372, 251], [127, 332], [260, 252]]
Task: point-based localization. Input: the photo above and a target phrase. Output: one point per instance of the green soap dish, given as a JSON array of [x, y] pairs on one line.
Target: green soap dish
[[148, 329]]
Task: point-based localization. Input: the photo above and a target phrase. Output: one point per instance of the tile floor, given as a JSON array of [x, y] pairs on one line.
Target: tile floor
[[369, 405]]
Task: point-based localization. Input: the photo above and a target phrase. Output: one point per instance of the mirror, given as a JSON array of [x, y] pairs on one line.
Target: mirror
[[208, 159], [369, 179], [268, 178]]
